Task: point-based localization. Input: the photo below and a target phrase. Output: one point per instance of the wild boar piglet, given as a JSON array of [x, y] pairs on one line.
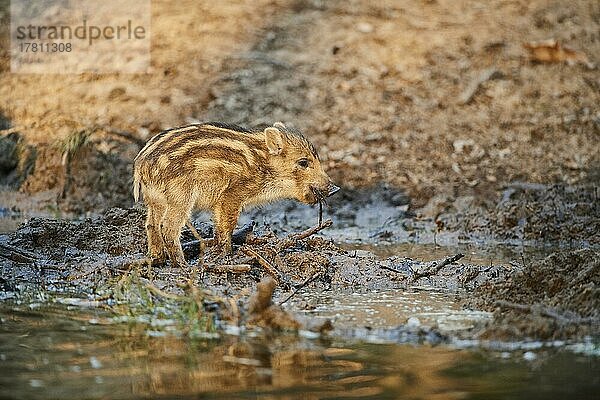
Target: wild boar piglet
[[221, 168]]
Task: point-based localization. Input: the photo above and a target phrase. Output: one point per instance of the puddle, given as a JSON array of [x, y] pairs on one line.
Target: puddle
[[51, 352]]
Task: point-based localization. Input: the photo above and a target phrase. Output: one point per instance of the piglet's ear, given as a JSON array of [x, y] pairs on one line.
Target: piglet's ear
[[279, 125], [274, 140]]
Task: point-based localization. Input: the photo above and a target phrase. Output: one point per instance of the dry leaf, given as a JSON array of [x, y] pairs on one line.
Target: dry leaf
[[551, 51]]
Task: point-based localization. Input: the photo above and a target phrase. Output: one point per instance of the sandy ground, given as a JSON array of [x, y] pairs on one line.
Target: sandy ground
[[377, 86]]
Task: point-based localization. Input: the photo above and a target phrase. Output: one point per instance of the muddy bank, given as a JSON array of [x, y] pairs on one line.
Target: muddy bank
[[109, 242], [555, 298], [524, 213], [100, 260], [93, 258], [87, 171]]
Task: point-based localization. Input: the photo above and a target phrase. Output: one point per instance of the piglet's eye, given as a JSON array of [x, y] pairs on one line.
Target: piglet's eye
[[303, 162]]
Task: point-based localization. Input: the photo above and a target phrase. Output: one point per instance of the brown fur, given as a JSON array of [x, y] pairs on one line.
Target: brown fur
[[221, 168]]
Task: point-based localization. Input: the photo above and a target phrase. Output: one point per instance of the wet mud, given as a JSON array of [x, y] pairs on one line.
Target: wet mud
[[554, 298], [567, 215], [272, 272]]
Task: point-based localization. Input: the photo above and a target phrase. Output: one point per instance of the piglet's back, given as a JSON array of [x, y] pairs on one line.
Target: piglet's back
[[195, 153]]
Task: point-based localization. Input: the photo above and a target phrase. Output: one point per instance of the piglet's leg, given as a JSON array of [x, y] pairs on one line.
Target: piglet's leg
[[226, 218], [171, 225], [156, 247]]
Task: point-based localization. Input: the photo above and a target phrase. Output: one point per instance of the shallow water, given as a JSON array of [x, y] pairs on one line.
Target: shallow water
[[377, 311], [73, 353]]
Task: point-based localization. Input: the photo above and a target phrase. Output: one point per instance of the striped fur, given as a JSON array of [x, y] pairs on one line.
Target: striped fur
[[222, 168]]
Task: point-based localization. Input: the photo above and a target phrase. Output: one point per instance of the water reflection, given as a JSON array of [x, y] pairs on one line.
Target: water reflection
[[54, 353], [391, 308]]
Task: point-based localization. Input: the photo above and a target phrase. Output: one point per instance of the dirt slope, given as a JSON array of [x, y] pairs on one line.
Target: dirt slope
[[378, 87]]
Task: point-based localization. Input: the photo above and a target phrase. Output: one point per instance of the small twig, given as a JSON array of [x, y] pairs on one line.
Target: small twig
[[271, 270], [125, 135], [311, 231], [159, 292], [320, 213], [293, 238], [547, 312], [392, 269], [301, 286], [226, 268], [435, 267]]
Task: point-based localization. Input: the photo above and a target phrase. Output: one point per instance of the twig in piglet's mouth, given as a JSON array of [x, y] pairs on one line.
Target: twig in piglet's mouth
[[320, 213], [322, 200]]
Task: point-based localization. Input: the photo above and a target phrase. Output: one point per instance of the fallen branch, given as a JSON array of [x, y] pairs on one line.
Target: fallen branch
[[547, 312], [436, 267], [271, 270], [393, 269], [311, 231], [293, 238]]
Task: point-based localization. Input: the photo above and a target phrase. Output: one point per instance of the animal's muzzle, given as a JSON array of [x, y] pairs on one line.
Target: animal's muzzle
[[332, 189]]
